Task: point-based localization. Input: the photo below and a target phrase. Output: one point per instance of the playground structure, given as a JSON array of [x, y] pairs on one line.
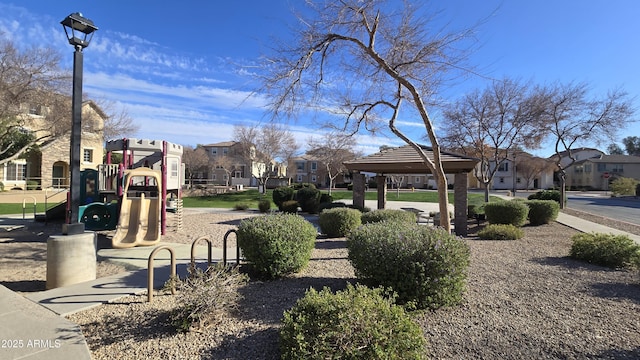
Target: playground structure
[[131, 197]]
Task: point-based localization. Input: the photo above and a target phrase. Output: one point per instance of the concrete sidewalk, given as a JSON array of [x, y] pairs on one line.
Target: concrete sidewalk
[[40, 316]]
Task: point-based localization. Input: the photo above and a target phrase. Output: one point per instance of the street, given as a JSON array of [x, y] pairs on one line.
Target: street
[[623, 209]]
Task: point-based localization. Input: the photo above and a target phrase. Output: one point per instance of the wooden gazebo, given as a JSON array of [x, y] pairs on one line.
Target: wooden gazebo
[[406, 160]]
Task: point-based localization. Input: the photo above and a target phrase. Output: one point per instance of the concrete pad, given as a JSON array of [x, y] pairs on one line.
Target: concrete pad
[[29, 331]]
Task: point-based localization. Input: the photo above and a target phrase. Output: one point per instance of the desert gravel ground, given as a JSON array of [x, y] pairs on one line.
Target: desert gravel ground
[[525, 299]]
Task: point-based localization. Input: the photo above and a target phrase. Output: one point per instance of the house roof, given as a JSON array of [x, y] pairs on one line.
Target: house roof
[[224, 143], [618, 159], [406, 160], [574, 151]]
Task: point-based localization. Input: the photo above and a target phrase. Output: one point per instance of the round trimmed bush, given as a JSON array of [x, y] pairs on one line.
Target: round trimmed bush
[[289, 206], [282, 194], [425, 266], [609, 250], [500, 232], [546, 195], [542, 211], [506, 212], [264, 205], [388, 215], [309, 199], [338, 222], [357, 323], [278, 244]]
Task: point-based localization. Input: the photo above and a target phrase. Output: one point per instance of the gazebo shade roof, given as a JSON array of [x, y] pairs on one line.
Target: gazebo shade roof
[[406, 160]]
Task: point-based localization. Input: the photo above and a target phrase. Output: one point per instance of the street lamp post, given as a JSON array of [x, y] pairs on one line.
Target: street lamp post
[[79, 31]]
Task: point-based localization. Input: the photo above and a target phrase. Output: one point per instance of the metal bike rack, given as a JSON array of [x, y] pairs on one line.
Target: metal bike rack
[[24, 205], [193, 251], [224, 247], [150, 270]]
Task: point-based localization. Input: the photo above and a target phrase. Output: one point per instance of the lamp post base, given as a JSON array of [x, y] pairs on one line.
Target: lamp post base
[[73, 229]]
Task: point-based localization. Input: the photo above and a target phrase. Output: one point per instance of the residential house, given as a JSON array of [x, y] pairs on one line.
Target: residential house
[[309, 169], [232, 166], [522, 171], [597, 172], [49, 167]]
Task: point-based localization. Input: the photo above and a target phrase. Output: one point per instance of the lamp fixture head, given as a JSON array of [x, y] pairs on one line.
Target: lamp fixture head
[[79, 30]]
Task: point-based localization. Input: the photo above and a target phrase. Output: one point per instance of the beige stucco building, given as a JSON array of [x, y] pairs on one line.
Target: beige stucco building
[[49, 167]]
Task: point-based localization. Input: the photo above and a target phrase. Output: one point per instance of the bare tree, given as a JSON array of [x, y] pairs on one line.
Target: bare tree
[[117, 122], [366, 61], [576, 119], [268, 147], [32, 110], [531, 167], [225, 163], [492, 124], [195, 161], [332, 149]]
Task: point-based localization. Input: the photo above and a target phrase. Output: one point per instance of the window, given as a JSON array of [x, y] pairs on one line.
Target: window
[[501, 180], [313, 178], [602, 167], [578, 169], [617, 168], [314, 166], [88, 155], [518, 180], [237, 174], [300, 166], [504, 166], [417, 180], [299, 178], [587, 168], [214, 177], [214, 151], [225, 151], [15, 171], [174, 168]]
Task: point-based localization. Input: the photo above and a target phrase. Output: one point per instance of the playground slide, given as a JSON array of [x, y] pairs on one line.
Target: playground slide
[[139, 222]]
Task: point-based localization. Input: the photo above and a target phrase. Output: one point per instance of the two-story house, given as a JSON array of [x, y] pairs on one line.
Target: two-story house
[[48, 167], [232, 165], [595, 173]]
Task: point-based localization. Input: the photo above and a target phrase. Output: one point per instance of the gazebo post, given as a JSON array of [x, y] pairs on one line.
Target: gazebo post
[[381, 181], [358, 189], [460, 204]]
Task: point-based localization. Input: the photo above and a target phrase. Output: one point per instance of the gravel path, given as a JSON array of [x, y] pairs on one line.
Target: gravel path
[[525, 300]]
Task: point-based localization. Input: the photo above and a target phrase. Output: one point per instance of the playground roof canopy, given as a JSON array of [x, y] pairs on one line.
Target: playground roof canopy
[[406, 160]]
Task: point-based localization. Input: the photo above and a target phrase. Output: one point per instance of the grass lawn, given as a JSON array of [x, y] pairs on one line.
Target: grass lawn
[[252, 197], [17, 209]]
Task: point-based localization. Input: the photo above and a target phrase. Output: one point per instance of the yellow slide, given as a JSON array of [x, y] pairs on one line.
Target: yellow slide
[[139, 222]]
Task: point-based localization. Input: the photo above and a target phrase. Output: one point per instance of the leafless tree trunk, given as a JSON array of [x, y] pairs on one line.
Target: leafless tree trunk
[[332, 149], [492, 124], [363, 60], [576, 119]]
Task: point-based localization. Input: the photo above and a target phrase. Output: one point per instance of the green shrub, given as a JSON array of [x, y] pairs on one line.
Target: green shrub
[[325, 199], [289, 206], [357, 323], [542, 211], [339, 222], [298, 186], [32, 185], [264, 205], [309, 199], [500, 232], [388, 215], [472, 211], [240, 206], [278, 244], [546, 195], [610, 250], [331, 205], [205, 298], [425, 266], [506, 212], [623, 186], [282, 194]]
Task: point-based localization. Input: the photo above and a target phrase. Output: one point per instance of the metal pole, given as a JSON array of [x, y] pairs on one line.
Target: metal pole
[[76, 138]]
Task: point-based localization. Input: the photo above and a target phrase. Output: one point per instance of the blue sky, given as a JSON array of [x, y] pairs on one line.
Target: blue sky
[[184, 70]]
